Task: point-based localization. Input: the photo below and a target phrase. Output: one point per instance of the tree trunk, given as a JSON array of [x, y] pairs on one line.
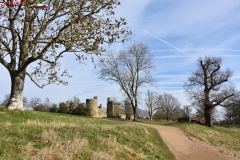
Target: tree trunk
[[150, 114], [135, 110], [16, 96], [151, 118], [208, 117], [134, 113]]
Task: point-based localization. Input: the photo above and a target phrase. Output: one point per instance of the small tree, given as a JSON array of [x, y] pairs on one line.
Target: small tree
[[159, 115], [53, 108], [207, 86], [151, 101], [130, 69], [187, 111], [63, 108], [169, 105], [83, 110], [34, 103], [142, 113]]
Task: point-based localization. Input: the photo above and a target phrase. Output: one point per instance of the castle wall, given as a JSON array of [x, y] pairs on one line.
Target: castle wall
[[102, 112], [122, 116]]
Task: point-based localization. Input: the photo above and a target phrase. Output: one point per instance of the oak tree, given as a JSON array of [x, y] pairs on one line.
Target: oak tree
[[41, 37], [208, 86]]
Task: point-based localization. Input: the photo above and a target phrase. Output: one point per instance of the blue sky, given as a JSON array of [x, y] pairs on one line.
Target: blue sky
[[177, 32]]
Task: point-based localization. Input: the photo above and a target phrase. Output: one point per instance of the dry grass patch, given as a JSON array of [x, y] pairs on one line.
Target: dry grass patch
[[48, 124], [7, 124], [49, 136], [62, 150], [96, 155], [113, 148], [133, 154], [151, 145], [109, 142]]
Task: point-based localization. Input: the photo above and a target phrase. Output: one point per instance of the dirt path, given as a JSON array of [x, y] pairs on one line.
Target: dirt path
[[185, 147]]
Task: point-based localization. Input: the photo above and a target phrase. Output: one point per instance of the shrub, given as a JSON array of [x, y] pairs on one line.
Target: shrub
[[63, 108], [53, 108], [83, 110]]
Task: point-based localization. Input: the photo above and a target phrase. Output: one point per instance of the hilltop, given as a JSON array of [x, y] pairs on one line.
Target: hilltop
[[44, 135]]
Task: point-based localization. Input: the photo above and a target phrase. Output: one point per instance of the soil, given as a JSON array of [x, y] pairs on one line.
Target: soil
[[185, 147]]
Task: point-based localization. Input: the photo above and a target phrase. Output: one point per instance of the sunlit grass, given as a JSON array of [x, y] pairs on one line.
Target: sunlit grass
[[40, 135]]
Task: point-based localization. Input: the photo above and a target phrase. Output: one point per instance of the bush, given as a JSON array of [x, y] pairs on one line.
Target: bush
[[41, 108], [53, 108], [63, 108], [82, 110]]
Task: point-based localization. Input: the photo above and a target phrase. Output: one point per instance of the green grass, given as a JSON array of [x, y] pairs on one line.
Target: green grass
[[223, 136], [41, 135]]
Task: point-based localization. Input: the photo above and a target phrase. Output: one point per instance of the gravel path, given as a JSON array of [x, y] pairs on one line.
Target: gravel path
[[185, 147]]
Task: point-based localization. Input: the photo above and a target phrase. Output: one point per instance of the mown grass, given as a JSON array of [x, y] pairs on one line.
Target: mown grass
[[223, 136], [40, 135]]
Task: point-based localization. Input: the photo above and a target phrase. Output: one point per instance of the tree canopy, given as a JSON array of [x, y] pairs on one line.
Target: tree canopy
[[42, 37]]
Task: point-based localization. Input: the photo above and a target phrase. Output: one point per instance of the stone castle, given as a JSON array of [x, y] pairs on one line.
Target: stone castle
[[96, 111], [113, 109]]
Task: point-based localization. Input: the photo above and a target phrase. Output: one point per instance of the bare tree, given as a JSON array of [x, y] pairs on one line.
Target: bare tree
[[151, 101], [129, 68], [207, 86], [34, 103], [41, 38], [142, 113], [187, 111], [46, 104], [169, 105]]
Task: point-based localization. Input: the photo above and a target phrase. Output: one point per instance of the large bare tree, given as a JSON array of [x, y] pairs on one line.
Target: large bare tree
[[207, 86], [42, 37], [151, 101], [169, 106], [130, 68]]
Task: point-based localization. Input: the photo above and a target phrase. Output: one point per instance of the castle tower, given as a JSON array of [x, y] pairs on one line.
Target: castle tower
[[93, 104], [112, 108]]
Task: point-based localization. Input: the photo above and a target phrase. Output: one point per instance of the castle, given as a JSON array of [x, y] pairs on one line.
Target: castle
[[96, 111], [113, 108], [114, 111]]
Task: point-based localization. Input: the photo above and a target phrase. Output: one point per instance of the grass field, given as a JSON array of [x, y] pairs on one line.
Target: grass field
[[41, 135], [223, 136]]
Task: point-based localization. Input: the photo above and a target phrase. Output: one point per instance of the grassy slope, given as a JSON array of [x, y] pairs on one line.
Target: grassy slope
[[38, 135], [223, 136]]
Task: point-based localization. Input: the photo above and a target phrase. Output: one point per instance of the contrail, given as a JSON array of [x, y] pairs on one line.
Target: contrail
[[164, 41], [235, 81]]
